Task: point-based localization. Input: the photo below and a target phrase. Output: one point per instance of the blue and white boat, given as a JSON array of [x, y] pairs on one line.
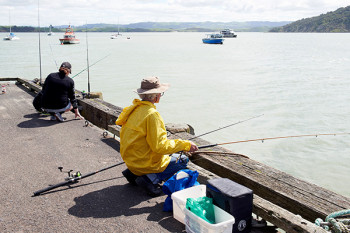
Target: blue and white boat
[[213, 39], [11, 36]]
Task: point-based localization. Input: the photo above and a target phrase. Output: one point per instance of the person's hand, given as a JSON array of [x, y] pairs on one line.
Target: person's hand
[[193, 147], [77, 114]]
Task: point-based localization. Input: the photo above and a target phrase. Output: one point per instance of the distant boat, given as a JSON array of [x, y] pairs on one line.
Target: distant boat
[[228, 33], [69, 37], [50, 32], [213, 39], [114, 36], [11, 36]]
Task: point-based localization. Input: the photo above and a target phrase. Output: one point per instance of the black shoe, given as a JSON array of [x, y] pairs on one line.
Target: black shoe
[[152, 190], [131, 177]]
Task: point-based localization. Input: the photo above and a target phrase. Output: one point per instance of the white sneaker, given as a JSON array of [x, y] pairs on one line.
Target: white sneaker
[[59, 117]]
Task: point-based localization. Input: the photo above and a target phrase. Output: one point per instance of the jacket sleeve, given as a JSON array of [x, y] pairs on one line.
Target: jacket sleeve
[[71, 96], [157, 137]]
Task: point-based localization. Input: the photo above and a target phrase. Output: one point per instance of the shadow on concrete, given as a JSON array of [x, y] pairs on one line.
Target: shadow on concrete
[[26, 90], [38, 120], [121, 200], [112, 143]]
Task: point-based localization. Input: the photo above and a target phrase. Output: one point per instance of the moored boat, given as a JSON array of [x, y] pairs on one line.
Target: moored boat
[[50, 33], [213, 39], [228, 33], [69, 37], [11, 36], [114, 36]]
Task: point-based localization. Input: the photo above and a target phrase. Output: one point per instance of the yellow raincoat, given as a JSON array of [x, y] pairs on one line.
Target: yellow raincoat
[[144, 145]]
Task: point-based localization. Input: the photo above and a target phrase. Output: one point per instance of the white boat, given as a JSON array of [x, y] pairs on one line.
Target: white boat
[[228, 33], [50, 32], [114, 36], [11, 36]]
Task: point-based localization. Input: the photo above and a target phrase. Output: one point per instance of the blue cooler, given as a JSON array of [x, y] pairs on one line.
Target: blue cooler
[[235, 199]]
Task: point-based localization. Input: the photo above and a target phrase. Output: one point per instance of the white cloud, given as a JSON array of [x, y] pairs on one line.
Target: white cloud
[[78, 12]]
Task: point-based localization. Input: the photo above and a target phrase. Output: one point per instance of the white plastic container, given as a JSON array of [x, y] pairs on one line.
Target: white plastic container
[[224, 222], [180, 197]]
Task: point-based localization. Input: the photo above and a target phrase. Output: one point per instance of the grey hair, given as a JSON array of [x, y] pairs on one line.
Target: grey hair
[[148, 97]]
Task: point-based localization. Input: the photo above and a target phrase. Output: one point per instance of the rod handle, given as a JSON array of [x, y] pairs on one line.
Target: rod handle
[[206, 146]]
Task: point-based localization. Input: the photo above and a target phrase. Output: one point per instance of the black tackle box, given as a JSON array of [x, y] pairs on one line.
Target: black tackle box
[[235, 199]]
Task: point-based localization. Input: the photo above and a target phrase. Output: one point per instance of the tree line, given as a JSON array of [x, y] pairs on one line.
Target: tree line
[[335, 21]]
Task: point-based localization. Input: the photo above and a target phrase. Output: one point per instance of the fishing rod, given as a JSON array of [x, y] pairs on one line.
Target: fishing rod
[[264, 139], [226, 126], [73, 178], [39, 45], [90, 65], [53, 58], [87, 59]]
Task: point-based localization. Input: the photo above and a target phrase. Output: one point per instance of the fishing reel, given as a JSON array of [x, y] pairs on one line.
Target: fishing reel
[[70, 174]]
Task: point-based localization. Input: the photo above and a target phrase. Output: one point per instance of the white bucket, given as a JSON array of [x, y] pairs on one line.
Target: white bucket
[[180, 198], [224, 222]]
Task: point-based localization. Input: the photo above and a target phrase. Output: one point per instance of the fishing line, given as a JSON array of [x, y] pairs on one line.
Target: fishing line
[[90, 66], [226, 126], [53, 58], [265, 139]]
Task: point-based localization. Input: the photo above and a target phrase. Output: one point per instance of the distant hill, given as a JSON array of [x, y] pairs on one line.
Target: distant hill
[[334, 21], [250, 26]]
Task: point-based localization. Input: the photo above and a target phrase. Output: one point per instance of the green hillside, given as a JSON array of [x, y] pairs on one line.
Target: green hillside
[[250, 26], [334, 21]]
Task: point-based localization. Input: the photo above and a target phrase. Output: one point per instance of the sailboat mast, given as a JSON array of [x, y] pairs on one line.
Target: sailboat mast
[[87, 59], [39, 45], [10, 19]]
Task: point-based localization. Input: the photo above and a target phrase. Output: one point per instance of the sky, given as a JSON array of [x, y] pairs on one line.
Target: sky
[[80, 12]]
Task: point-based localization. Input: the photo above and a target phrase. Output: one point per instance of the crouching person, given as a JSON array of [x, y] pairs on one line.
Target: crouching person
[[58, 94], [144, 146]]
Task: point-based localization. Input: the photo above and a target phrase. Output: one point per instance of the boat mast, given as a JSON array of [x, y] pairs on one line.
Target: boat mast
[[87, 59], [39, 45], [10, 20], [118, 26]]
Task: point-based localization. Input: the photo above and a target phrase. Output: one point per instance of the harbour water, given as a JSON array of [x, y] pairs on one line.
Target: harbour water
[[299, 81]]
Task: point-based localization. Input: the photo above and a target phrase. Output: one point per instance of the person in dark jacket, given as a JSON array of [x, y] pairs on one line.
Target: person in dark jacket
[[59, 94]]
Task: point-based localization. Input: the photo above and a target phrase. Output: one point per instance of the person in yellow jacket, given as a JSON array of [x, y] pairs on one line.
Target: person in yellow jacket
[[144, 146]]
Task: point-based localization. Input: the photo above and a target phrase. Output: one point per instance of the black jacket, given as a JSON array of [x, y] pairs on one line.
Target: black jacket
[[58, 89]]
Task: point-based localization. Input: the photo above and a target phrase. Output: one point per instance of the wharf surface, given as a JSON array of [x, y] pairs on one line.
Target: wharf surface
[[32, 149], [283, 200]]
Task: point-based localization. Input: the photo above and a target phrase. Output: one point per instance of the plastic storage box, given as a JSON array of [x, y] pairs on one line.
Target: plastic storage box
[[235, 199], [224, 222], [180, 197]]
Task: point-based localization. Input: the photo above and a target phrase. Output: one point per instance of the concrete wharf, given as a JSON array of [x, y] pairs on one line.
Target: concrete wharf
[[32, 147]]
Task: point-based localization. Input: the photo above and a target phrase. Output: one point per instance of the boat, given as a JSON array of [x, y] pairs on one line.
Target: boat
[[11, 36], [69, 37], [213, 39], [228, 33], [114, 36], [50, 32]]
